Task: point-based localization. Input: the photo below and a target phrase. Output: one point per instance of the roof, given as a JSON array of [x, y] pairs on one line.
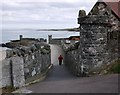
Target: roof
[[74, 38], [77, 38], [114, 5]]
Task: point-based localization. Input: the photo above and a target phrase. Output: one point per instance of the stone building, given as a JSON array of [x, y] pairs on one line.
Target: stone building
[[58, 41], [100, 34]]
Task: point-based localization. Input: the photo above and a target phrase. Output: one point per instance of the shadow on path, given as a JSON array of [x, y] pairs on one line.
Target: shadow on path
[[59, 73], [59, 80]]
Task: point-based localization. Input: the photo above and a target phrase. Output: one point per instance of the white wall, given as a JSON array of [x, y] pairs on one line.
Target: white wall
[[56, 50]]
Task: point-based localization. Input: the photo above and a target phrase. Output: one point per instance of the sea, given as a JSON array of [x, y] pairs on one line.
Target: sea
[[13, 34]]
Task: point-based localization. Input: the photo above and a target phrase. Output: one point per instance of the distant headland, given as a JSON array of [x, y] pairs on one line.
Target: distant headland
[[67, 29]]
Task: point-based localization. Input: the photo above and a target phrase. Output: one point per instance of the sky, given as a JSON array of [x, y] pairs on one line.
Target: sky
[[42, 13], [39, 14]]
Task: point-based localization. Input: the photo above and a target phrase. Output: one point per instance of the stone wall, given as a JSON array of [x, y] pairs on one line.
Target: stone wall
[[72, 61], [99, 33], [23, 63], [56, 41], [99, 37], [13, 72], [93, 43], [113, 31], [72, 57], [99, 41], [95, 49]]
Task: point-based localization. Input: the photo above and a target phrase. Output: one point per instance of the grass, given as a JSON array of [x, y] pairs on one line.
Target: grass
[[114, 67], [8, 89]]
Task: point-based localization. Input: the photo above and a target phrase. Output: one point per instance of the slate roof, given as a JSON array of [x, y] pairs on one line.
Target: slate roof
[[114, 5]]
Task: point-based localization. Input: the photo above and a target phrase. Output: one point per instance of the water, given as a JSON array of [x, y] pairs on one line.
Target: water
[[13, 34]]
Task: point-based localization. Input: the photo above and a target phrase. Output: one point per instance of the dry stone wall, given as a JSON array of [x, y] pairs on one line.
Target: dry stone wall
[[23, 63], [72, 61], [72, 57]]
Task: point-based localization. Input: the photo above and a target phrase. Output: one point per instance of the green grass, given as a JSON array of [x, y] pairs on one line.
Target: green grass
[[115, 67], [112, 68], [8, 89]]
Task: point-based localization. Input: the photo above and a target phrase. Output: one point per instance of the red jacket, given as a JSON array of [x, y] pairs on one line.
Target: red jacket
[[60, 58]]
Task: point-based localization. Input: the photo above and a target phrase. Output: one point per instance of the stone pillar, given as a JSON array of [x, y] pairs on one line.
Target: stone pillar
[[49, 38], [21, 36], [18, 71], [93, 40]]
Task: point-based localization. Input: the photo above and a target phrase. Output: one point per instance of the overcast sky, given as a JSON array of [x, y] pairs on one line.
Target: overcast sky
[[17, 15], [42, 13]]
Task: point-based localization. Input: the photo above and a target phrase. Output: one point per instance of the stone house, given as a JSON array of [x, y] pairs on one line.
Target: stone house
[[58, 41], [100, 34]]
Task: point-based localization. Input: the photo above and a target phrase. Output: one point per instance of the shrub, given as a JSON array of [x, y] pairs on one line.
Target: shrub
[[115, 67]]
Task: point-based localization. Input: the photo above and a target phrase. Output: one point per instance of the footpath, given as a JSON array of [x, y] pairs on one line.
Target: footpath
[[60, 80]]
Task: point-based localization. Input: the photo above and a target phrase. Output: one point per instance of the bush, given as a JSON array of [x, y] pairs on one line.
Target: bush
[[115, 67]]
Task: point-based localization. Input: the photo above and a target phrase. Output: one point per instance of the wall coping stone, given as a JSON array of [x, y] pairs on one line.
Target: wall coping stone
[[94, 20]]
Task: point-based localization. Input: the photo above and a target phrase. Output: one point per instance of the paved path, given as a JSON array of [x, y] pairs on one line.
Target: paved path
[[60, 80]]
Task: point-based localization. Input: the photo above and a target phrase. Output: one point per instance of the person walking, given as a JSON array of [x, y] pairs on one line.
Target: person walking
[[60, 58]]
